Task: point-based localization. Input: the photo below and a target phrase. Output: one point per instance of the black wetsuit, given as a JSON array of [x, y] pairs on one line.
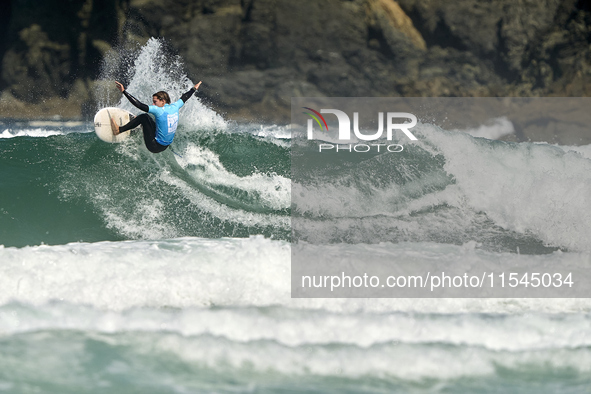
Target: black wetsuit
[[148, 124]]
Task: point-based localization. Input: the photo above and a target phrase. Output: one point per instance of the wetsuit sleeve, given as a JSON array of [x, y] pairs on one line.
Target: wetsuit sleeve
[[188, 95], [136, 102]]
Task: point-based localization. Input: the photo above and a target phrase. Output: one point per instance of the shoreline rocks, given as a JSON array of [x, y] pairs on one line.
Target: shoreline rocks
[[254, 55]]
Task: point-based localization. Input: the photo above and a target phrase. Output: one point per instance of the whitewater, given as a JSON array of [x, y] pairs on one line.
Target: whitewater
[[122, 271]]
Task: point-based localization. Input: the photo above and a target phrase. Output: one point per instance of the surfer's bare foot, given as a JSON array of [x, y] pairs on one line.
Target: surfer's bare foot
[[114, 127]]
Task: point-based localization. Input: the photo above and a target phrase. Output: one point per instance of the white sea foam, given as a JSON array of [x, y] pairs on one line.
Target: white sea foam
[[223, 306], [269, 131], [359, 197], [196, 272], [154, 70], [56, 123], [38, 133], [523, 187], [44, 128], [385, 361], [495, 129], [584, 150], [204, 166], [300, 327], [275, 134], [221, 211], [180, 273]]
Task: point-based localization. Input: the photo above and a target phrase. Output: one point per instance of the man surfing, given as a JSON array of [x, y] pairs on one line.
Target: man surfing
[[157, 135]]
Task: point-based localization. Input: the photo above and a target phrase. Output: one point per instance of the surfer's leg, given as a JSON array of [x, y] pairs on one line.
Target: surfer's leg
[[133, 123], [149, 129]]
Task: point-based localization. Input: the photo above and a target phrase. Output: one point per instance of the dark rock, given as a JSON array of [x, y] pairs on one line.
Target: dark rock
[[49, 45], [253, 55]]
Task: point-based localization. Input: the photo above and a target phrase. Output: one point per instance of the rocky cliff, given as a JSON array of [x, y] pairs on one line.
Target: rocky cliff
[[253, 55]]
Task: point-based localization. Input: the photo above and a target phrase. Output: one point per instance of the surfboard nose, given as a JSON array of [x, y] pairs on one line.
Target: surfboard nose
[[102, 124]]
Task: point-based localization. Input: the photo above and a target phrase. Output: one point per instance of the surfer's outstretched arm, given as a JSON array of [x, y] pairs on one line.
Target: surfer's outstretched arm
[[188, 94], [138, 104], [158, 135]]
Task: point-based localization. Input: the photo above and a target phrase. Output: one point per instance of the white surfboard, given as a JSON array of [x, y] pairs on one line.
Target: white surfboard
[[102, 124]]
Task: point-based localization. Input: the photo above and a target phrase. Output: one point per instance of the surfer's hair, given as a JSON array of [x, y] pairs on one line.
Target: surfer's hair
[[162, 96]]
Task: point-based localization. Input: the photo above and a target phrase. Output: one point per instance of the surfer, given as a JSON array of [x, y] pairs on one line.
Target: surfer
[[158, 135]]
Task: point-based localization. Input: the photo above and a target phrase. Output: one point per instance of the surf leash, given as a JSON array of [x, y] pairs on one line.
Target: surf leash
[[175, 152]]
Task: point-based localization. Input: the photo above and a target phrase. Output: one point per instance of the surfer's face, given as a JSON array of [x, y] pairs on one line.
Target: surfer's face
[[157, 102]]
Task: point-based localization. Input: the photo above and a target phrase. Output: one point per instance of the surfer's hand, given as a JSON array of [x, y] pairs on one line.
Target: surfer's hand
[[120, 86], [197, 86]]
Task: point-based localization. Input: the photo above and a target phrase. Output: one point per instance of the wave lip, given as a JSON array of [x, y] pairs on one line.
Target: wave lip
[[447, 187], [41, 131], [153, 70], [525, 187]]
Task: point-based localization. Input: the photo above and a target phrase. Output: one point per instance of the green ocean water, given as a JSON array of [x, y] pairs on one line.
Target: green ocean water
[[73, 187]]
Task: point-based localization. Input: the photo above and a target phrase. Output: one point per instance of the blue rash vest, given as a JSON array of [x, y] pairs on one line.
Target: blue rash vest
[[167, 120]]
